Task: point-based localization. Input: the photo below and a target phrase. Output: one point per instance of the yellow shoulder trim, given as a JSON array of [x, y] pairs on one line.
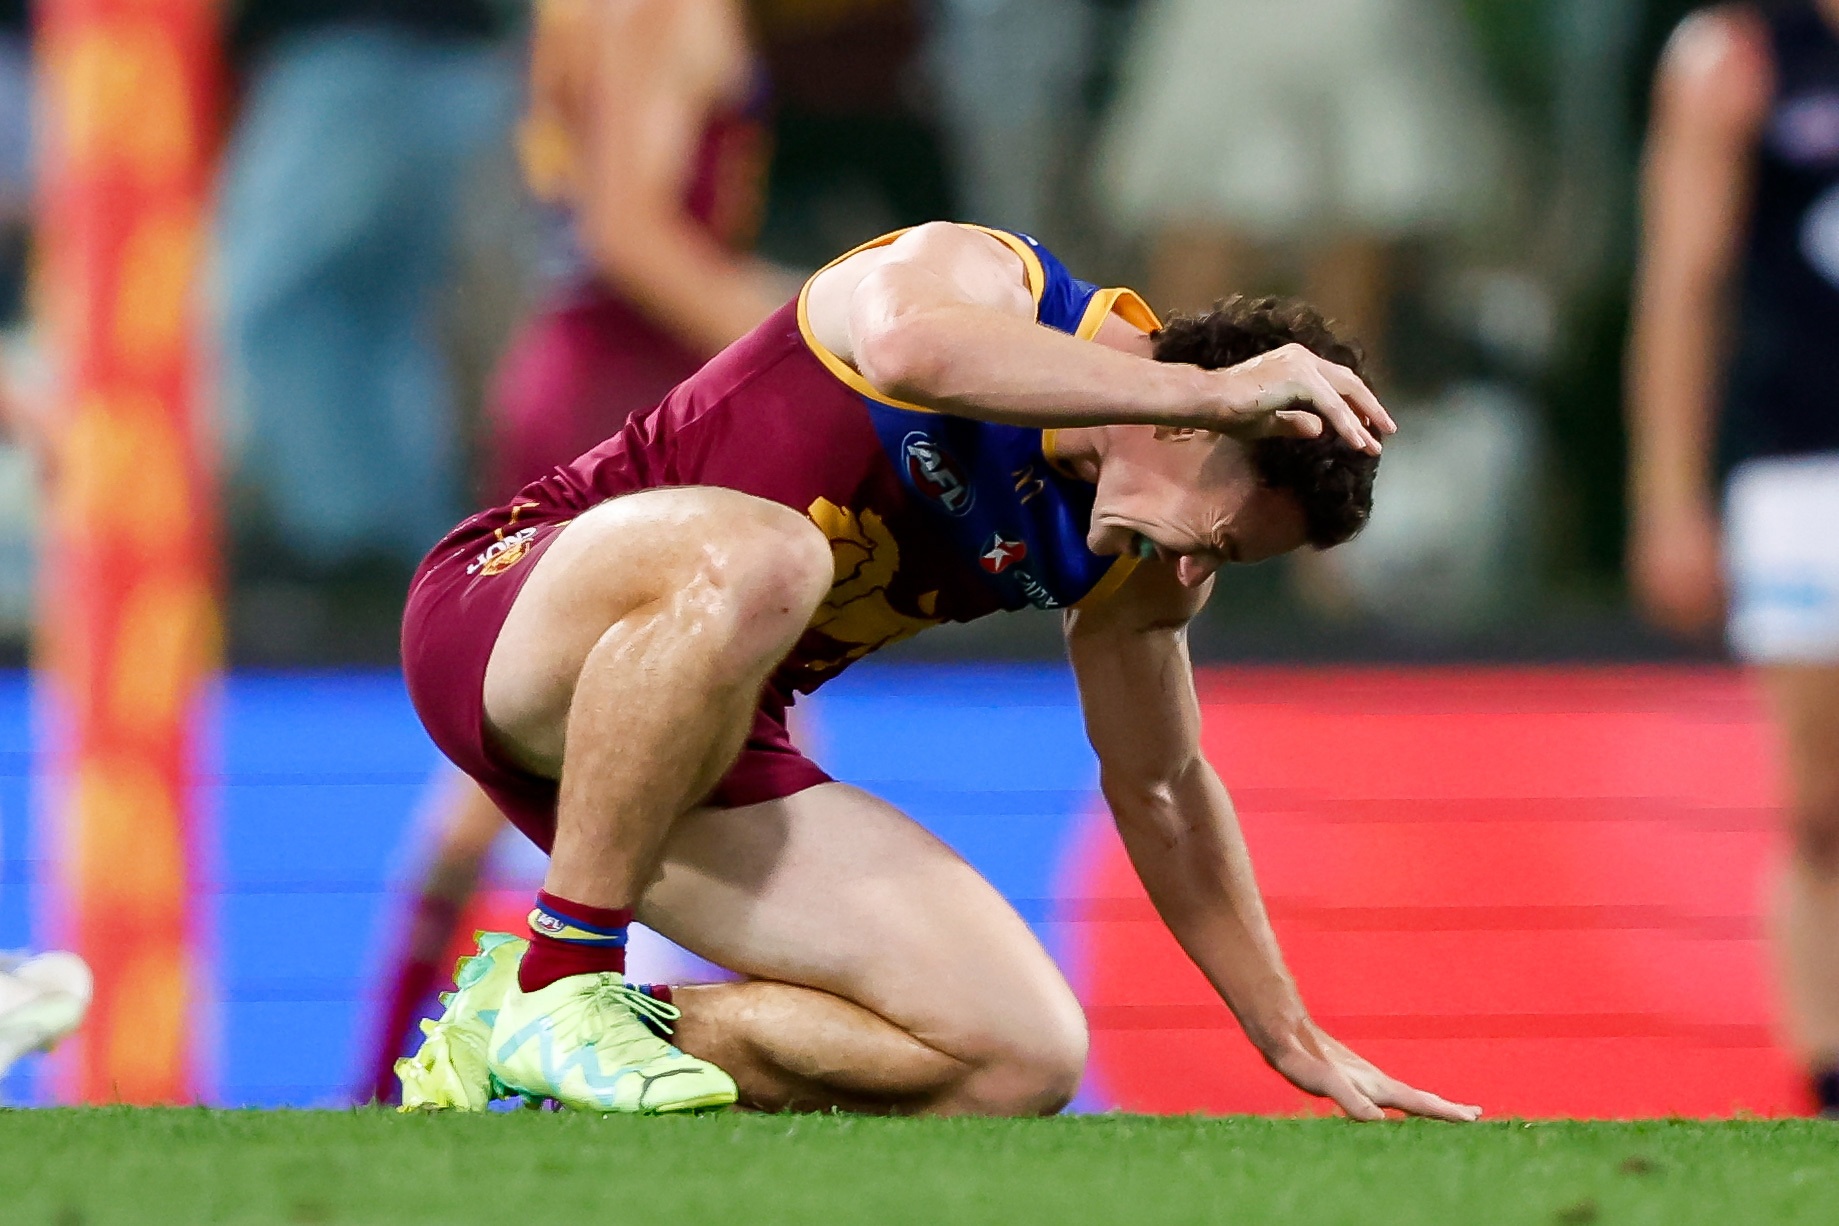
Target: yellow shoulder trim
[[1031, 264], [1126, 304], [1108, 586], [1050, 451]]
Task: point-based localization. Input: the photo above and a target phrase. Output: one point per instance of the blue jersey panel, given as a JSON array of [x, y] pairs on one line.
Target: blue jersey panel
[[990, 489], [1064, 297]]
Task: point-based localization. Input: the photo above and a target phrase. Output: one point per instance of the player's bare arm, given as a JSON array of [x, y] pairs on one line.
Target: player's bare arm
[[942, 318], [1710, 102], [651, 72], [1136, 683]]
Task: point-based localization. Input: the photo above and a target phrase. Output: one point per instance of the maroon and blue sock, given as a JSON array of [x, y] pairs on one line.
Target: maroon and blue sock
[[571, 938]]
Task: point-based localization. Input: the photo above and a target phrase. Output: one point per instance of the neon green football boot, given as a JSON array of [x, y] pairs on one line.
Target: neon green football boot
[[449, 1071], [583, 1041]]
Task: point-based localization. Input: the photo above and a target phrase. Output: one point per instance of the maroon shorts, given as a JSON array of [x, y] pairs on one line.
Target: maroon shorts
[[458, 603]]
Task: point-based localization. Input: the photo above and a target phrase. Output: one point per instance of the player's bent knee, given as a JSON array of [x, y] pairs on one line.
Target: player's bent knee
[[1037, 1074], [786, 559], [775, 570]]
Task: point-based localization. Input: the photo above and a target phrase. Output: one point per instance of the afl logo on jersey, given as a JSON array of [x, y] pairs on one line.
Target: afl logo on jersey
[[935, 473], [1000, 553]]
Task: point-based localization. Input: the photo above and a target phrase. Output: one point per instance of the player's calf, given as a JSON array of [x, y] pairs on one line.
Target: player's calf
[[791, 1048]]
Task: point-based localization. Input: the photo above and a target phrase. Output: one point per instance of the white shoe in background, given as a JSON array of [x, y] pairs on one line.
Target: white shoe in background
[[42, 999]]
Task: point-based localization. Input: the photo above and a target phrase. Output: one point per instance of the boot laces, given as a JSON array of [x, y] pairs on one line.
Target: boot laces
[[616, 1001]]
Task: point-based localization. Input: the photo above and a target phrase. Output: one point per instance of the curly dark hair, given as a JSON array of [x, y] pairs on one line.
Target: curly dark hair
[[1332, 481]]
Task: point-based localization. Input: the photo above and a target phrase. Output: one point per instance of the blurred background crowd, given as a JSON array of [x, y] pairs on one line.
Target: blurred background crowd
[[1454, 180]]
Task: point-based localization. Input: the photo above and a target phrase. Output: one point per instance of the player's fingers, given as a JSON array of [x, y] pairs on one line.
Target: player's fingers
[[1354, 389], [1345, 421], [1420, 1102], [1349, 1098], [1296, 423]]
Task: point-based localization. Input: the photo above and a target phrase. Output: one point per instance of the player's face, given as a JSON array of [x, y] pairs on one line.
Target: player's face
[[1192, 498]]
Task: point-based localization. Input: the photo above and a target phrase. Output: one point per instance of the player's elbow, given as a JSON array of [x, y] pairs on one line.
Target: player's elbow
[[904, 358], [1153, 802]]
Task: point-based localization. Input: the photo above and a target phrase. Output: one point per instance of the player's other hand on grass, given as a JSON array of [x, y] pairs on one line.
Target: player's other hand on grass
[[1322, 1065], [1676, 569], [1265, 398]]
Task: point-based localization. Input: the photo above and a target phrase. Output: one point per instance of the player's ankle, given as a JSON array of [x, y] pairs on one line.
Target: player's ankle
[[571, 938]]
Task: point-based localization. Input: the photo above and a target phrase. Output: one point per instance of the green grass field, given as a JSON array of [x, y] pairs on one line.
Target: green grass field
[[146, 1167]]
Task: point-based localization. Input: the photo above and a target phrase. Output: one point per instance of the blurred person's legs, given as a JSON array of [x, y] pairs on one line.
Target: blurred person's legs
[[337, 219], [1331, 128], [1783, 559], [468, 824], [1805, 699]]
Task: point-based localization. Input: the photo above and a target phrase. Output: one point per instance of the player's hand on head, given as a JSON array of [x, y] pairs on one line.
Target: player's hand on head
[[1260, 399], [1313, 1061]]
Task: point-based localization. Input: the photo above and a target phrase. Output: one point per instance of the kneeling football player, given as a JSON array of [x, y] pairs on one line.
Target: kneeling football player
[[945, 424]]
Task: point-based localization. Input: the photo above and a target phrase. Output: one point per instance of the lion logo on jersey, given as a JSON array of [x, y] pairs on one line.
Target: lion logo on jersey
[[857, 615]]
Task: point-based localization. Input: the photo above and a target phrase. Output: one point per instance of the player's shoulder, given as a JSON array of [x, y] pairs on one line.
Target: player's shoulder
[[1719, 66], [949, 237]]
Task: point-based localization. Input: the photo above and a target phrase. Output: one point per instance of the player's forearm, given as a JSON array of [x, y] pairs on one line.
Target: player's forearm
[[1710, 100], [1673, 390], [1185, 843], [974, 362]]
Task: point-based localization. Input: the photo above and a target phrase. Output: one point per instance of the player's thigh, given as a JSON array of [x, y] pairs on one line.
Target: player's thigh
[[835, 889], [735, 564]]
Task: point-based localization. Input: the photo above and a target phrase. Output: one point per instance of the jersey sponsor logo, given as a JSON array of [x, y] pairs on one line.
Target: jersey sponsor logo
[[502, 554], [936, 473], [1036, 591], [1027, 484], [1000, 553]]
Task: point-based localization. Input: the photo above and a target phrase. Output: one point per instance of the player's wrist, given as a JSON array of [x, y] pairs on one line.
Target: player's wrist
[[1196, 399], [1278, 1030]]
